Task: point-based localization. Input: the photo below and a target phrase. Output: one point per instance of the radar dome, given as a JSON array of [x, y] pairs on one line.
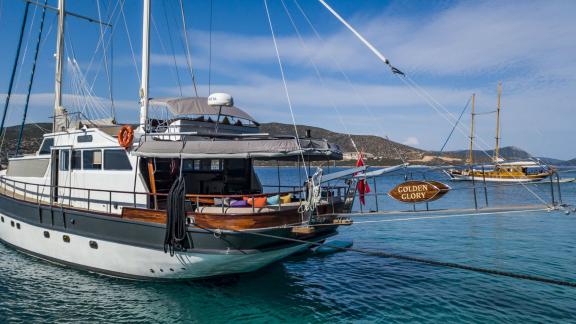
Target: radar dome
[[220, 99]]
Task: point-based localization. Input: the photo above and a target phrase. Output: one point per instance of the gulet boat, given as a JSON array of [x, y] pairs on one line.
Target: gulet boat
[[500, 171], [175, 198]]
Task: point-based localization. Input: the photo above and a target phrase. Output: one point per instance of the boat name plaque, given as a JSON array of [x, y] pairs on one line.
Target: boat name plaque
[[418, 191]]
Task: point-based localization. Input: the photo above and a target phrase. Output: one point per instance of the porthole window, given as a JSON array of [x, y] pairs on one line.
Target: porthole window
[[18, 225], [93, 244], [46, 234], [12, 223], [2, 219], [66, 238]]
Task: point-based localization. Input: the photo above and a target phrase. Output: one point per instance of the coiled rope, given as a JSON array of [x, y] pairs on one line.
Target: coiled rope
[[176, 218]]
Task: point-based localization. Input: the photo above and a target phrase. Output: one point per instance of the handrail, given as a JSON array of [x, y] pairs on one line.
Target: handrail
[[91, 190]]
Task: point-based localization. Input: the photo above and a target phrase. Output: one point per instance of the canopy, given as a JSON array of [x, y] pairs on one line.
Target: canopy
[[199, 106], [271, 149]]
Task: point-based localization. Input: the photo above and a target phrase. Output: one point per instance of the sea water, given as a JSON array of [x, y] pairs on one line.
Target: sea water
[[346, 286]]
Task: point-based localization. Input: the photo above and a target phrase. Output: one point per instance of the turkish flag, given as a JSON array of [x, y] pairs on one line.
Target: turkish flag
[[362, 186]]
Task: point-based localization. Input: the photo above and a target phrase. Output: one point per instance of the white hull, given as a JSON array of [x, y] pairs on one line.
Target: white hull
[[128, 261], [488, 179]]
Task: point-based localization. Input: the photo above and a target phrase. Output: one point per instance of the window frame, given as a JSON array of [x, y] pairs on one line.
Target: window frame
[[84, 151], [46, 139], [104, 164]]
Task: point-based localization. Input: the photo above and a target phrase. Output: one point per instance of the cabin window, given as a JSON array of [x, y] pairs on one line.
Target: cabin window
[[76, 160], [84, 138], [215, 165], [64, 160], [92, 159], [116, 160], [46, 146]]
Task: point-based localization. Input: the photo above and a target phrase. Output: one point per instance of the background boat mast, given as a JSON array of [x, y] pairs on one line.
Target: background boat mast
[[145, 66], [496, 158], [58, 109], [471, 157]]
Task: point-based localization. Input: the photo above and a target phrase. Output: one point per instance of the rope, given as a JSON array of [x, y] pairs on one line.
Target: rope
[[285, 86], [176, 218], [424, 261]]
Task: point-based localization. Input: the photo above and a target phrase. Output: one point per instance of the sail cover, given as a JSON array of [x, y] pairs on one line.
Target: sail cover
[[272, 149], [199, 106]]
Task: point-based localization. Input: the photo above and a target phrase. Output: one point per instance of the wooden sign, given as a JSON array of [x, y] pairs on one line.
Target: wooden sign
[[418, 191]]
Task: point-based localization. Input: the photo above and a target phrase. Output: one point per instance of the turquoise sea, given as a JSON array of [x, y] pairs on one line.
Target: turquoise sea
[[346, 286]]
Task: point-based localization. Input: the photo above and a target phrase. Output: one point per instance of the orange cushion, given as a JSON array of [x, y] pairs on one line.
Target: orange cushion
[[257, 202]]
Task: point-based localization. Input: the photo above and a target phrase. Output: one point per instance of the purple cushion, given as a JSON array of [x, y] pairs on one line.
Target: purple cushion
[[238, 203]]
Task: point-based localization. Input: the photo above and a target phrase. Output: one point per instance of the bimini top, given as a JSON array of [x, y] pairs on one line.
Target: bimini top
[[262, 149], [199, 106]]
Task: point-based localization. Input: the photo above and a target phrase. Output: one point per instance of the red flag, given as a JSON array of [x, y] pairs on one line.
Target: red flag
[[362, 186]]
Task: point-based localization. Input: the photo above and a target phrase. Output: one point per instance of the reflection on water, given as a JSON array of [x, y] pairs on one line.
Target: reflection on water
[[341, 287]]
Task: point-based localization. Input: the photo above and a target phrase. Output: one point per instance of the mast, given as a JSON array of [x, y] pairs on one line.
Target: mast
[[471, 158], [58, 109], [145, 66], [498, 123]]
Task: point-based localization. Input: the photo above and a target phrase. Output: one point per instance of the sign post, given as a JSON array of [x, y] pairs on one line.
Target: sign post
[[419, 191]]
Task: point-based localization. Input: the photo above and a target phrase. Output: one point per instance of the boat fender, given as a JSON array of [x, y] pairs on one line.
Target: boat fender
[[125, 136]]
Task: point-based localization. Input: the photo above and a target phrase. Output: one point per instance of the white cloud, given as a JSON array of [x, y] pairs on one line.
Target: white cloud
[[411, 141]]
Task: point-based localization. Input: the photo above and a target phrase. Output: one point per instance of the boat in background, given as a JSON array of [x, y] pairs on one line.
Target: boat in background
[[500, 171]]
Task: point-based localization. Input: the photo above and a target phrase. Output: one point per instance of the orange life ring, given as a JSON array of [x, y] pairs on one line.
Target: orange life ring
[[125, 136]]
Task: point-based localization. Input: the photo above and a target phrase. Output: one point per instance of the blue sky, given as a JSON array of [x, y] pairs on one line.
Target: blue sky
[[451, 49]]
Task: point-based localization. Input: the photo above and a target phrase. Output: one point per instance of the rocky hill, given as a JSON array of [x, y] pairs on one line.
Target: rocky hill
[[380, 151]]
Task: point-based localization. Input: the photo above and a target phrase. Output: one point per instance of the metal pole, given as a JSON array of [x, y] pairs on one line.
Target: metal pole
[[559, 189], [145, 66], [552, 191], [485, 187], [375, 193], [58, 110], [474, 189]]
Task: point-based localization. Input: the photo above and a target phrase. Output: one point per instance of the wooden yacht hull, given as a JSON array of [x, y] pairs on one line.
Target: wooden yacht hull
[[459, 177], [116, 247]]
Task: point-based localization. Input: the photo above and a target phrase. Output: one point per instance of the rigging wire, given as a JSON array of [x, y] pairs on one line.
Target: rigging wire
[[210, 48], [320, 78], [13, 74], [188, 55], [411, 83], [130, 42], [284, 82], [171, 42], [19, 71], [31, 81], [348, 80], [106, 65], [454, 127]]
